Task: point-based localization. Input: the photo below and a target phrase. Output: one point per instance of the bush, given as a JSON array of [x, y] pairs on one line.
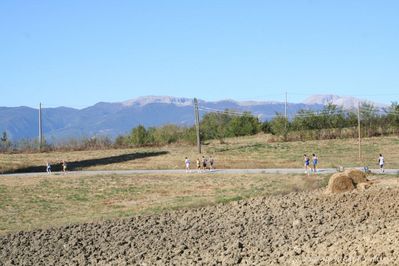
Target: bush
[[139, 136], [228, 124]]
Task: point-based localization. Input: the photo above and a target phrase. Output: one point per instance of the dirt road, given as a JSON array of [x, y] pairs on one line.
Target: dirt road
[[218, 171]]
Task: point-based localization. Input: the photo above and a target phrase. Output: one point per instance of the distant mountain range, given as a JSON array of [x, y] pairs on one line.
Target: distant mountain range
[[112, 119], [347, 102]]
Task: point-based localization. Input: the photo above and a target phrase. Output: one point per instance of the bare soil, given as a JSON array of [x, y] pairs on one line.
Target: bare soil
[[305, 228]]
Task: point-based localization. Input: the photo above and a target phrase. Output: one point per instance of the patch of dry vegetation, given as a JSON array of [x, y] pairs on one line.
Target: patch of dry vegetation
[[36, 202]]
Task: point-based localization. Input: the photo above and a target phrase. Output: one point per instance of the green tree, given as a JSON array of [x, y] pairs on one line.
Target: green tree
[[244, 125], [121, 141], [167, 134], [369, 119], [392, 117], [305, 120], [5, 143], [332, 116], [216, 126], [190, 135], [139, 136], [280, 126], [265, 127]]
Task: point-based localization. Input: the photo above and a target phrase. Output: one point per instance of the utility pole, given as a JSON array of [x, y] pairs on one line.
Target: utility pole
[[358, 131], [285, 114], [285, 107], [40, 128], [197, 125]]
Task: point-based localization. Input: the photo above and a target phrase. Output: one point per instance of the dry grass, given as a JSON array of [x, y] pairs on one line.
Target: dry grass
[[246, 152], [39, 202]]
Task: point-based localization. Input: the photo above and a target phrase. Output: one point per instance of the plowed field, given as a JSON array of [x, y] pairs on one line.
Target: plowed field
[[305, 228]]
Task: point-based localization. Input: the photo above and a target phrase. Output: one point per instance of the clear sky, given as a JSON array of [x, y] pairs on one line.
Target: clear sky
[[76, 53]]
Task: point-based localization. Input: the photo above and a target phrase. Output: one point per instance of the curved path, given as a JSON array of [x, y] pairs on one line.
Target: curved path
[[216, 171]]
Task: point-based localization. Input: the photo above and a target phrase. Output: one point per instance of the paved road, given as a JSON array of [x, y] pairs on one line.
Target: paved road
[[217, 171]]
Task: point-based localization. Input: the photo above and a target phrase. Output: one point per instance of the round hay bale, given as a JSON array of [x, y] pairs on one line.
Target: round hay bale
[[340, 182], [357, 176]]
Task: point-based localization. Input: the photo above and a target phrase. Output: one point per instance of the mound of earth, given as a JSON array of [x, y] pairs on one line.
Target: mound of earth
[[357, 176], [346, 181], [293, 229]]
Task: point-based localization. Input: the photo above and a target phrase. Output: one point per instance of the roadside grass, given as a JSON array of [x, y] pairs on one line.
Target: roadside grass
[[242, 152], [43, 201]]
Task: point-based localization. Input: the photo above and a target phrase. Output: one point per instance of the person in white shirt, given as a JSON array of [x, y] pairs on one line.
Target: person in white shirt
[[381, 162], [187, 162], [48, 167]]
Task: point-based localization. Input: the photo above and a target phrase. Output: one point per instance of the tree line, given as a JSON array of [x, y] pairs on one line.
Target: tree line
[[329, 123], [335, 122]]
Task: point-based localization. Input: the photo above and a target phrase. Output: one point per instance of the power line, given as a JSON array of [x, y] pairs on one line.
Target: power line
[[227, 111]]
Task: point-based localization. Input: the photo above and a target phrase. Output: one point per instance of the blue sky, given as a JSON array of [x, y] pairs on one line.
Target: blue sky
[[77, 53]]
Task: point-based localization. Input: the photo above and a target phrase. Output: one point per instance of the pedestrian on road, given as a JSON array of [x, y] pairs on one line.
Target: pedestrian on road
[[64, 166], [198, 165], [307, 162], [381, 163], [211, 163], [187, 163], [48, 168], [315, 161], [204, 162]]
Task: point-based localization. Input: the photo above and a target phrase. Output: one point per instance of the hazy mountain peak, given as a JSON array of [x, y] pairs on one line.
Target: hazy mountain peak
[[247, 102], [181, 101], [141, 101], [254, 103], [347, 102]]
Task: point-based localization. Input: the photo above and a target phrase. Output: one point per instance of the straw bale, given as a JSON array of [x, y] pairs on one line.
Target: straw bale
[[357, 176], [340, 182]]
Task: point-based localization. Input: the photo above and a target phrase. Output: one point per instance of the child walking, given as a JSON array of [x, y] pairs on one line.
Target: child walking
[[315, 161], [198, 165], [211, 161], [381, 163], [48, 168], [64, 166], [307, 162], [187, 163]]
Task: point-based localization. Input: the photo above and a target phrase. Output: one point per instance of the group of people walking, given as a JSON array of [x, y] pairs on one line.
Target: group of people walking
[[309, 168], [313, 168], [63, 164], [202, 165]]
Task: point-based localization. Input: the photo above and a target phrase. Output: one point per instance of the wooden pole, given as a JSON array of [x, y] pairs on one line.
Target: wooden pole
[[285, 113], [358, 131], [285, 107], [197, 124], [40, 128]]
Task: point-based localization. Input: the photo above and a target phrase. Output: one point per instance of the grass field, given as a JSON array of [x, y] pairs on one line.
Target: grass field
[[246, 152], [50, 200]]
